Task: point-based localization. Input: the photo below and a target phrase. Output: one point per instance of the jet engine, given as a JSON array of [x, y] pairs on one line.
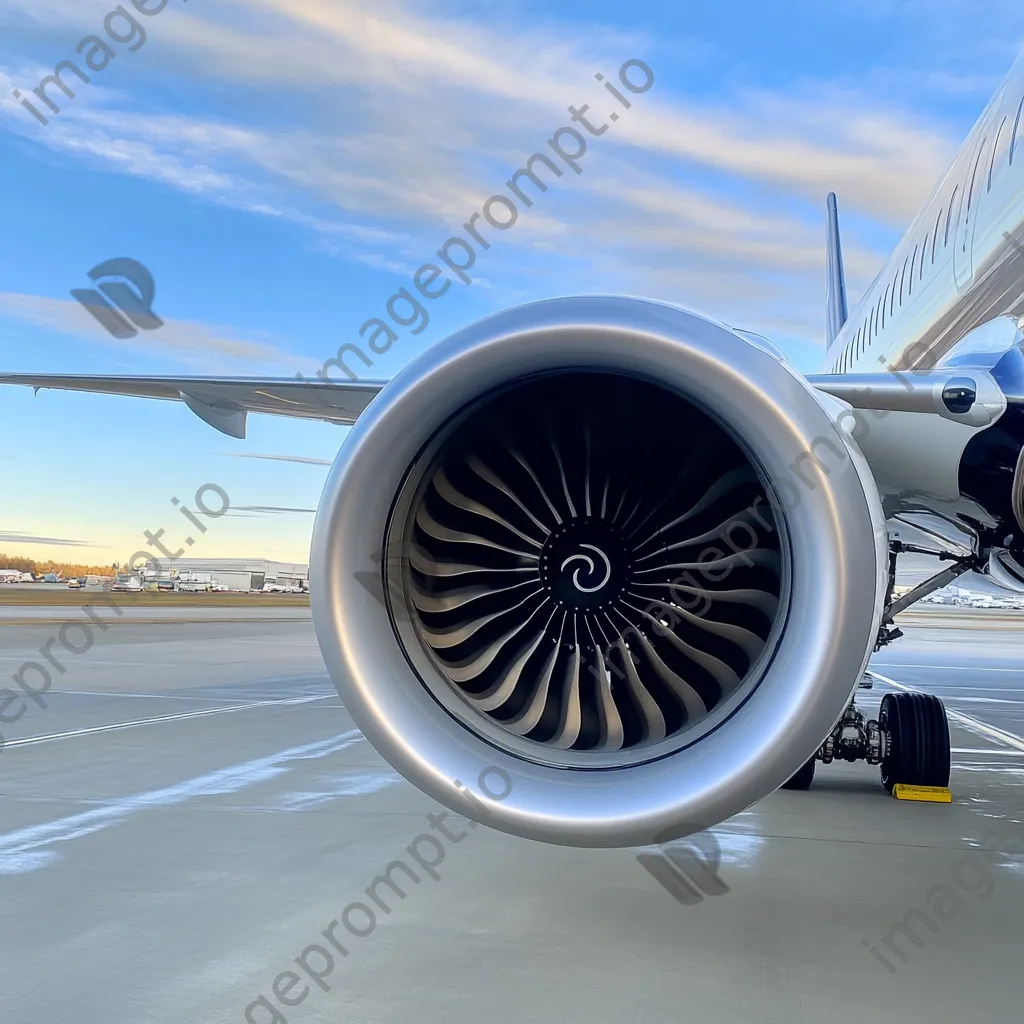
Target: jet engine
[[598, 571]]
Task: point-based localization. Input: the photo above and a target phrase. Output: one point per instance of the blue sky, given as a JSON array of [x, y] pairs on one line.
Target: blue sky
[[282, 166]]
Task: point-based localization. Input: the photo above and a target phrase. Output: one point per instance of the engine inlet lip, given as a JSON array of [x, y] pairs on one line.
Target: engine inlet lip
[[429, 670]]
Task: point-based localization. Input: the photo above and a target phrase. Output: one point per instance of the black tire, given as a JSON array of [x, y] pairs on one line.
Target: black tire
[[803, 777], [918, 732]]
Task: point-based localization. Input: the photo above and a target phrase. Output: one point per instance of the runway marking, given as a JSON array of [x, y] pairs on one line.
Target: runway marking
[[26, 850], [167, 696], [957, 668], [26, 741], [972, 724], [982, 700], [987, 751], [360, 783], [110, 664], [163, 621], [155, 696]]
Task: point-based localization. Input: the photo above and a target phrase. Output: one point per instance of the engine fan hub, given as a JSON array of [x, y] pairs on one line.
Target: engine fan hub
[[585, 565]]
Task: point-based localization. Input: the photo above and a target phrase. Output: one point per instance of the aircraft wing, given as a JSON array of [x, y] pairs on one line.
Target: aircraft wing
[[224, 402]]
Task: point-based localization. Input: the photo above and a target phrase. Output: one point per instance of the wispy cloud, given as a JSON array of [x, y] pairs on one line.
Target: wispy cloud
[[184, 340], [252, 511], [804, 144], [272, 509], [882, 165], [962, 85], [419, 91], [7, 537], [305, 459], [420, 115]]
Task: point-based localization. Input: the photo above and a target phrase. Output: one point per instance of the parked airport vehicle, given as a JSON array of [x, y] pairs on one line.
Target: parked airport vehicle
[[619, 568], [13, 576], [194, 582], [126, 583]]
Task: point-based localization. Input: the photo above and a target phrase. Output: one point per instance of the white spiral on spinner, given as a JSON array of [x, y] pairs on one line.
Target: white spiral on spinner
[[590, 569]]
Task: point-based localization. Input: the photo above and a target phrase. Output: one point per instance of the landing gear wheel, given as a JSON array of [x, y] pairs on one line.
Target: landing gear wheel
[[803, 777], [918, 752]]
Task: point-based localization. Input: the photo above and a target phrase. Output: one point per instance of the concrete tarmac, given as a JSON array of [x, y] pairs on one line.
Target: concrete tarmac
[[193, 809]]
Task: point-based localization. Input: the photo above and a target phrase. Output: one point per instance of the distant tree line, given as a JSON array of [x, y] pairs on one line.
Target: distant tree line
[[23, 564]]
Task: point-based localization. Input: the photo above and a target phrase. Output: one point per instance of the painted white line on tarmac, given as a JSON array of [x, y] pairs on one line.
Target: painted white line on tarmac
[[151, 696], [29, 849], [171, 696], [27, 655], [958, 698], [26, 741], [972, 724], [957, 668], [980, 700], [987, 751]]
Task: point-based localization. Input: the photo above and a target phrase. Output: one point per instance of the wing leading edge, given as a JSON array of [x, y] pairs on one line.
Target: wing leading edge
[[224, 402]]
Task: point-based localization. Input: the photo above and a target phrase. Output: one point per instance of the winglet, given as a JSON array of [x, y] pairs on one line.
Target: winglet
[[835, 295]]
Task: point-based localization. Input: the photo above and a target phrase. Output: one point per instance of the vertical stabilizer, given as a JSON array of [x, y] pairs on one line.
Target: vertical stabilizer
[[835, 295]]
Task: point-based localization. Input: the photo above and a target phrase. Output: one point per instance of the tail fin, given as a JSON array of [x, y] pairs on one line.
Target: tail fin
[[835, 295]]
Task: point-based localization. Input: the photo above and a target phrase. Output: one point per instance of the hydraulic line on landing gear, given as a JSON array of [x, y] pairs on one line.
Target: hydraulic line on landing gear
[[887, 632]]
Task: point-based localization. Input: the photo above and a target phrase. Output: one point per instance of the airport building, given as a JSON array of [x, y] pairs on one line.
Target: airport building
[[242, 573]]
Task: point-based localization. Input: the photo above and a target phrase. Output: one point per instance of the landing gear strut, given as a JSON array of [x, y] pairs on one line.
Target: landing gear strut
[[910, 739]]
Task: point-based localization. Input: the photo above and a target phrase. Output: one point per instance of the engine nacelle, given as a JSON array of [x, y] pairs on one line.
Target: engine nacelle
[[585, 552]]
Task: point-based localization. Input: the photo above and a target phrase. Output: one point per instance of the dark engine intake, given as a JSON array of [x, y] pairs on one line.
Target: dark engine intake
[[568, 593]]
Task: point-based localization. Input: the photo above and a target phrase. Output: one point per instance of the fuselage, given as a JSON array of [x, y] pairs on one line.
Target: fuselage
[[960, 263]]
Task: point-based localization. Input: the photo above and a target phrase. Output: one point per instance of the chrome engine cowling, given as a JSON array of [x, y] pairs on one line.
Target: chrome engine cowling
[[590, 549]]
